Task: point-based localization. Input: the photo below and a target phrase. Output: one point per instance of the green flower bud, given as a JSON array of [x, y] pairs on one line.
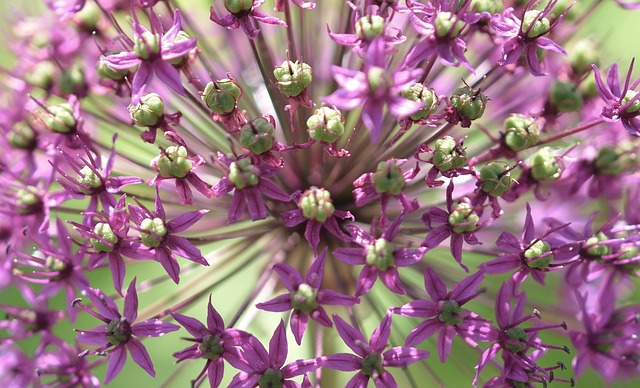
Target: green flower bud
[[388, 178], [326, 125], [106, 233], [211, 347], [582, 54], [55, 264], [588, 87], [42, 75], [496, 178], [635, 106], [517, 334], [544, 166], [238, 6], [376, 78], [448, 154], [447, 24], [368, 27], [147, 45], [537, 249], [418, 92], [520, 132], [107, 73], [221, 96], [304, 298], [152, 232], [89, 17], [380, 254], [371, 365], [258, 135], [540, 24], [468, 102], [293, 77], [242, 173], [565, 97], [72, 80], [148, 111], [28, 200], [22, 136], [173, 162], [60, 118], [450, 312], [613, 161], [179, 61], [316, 204], [118, 331], [89, 178], [463, 218], [598, 250], [491, 6]]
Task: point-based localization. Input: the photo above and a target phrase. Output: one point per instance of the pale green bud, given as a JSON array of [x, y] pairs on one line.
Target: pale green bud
[[520, 132], [173, 162], [258, 135], [293, 77], [152, 232], [326, 125], [316, 204], [380, 254], [148, 111], [242, 173], [388, 178], [106, 233]]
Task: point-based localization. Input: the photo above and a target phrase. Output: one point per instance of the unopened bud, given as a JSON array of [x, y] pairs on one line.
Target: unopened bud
[[293, 77], [496, 178], [388, 178], [221, 96], [448, 154], [418, 92], [316, 204]]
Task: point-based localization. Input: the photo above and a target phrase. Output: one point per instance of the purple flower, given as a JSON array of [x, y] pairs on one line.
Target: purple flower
[[280, 4], [153, 54], [370, 358], [116, 335], [243, 16], [160, 236], [249, 183], [211, 343], [372, 88], [305, 296], [526, 34], [63, 367], [266, 369], [380, 257], [622, 104], [444, 313]]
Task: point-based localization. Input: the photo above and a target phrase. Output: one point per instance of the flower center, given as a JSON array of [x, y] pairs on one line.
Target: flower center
[[463, 219], [517, 334], [118, 331], [447, 25], [152, 232], [380, 254], [594, 248], [147, 45], [448, 155], [173, 162], [89, 178], [316, 204], [449, 313], [211, 347], [534, 251], [304, 298], [271, 378], [372, 365], [106, 233], [326, 124], [242, 173], [536, 25], [388, 178]]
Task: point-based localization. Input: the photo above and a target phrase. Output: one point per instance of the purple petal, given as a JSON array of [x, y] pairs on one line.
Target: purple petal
[[436, 236], [192, 325], [273, 191], [380, 337], [278, 346], [508, 243], [351, 336], [391, 279], [141, 356], [141, 79], [366, 280], [214, 320], [298, 322], [169, 263], [331, 297], [153, 328], [316, 271], [423, 331], [216, 372], [184, 221], [184, 248], [467, 288], [342, 361], [289, 276], [353, 256], [445, 339], [116, 362], [418, 308], [131, 302], [403, 356], [169, 75], [278, 304], [434, 286]]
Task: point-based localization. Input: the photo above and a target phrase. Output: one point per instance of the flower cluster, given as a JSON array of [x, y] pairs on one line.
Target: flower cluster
[[457, 178]]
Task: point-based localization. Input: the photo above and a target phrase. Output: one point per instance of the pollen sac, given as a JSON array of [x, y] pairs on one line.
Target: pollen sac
[[147, 45], [595, 249], [107, 73], [316, 204], [60, 118], [565, 97], [380, 254], [635, 105], [463, 218], [28, 201], [211, 347], [304, 298], [242, 173], [388, 178], [448, 25], [238, 6], [106, 233], [449, 313], [448, 154], [496, 178], [534, 24], [520, 132], [179, 61], [534, 251], [152, 232], [491, 6], [222, 96], [257, 135], [89, 178], [368, 27], [22, 136], [293, 77], [468, 102], [418, 92], [173, 162], [148, 112], [326, 125], [545, 166]]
